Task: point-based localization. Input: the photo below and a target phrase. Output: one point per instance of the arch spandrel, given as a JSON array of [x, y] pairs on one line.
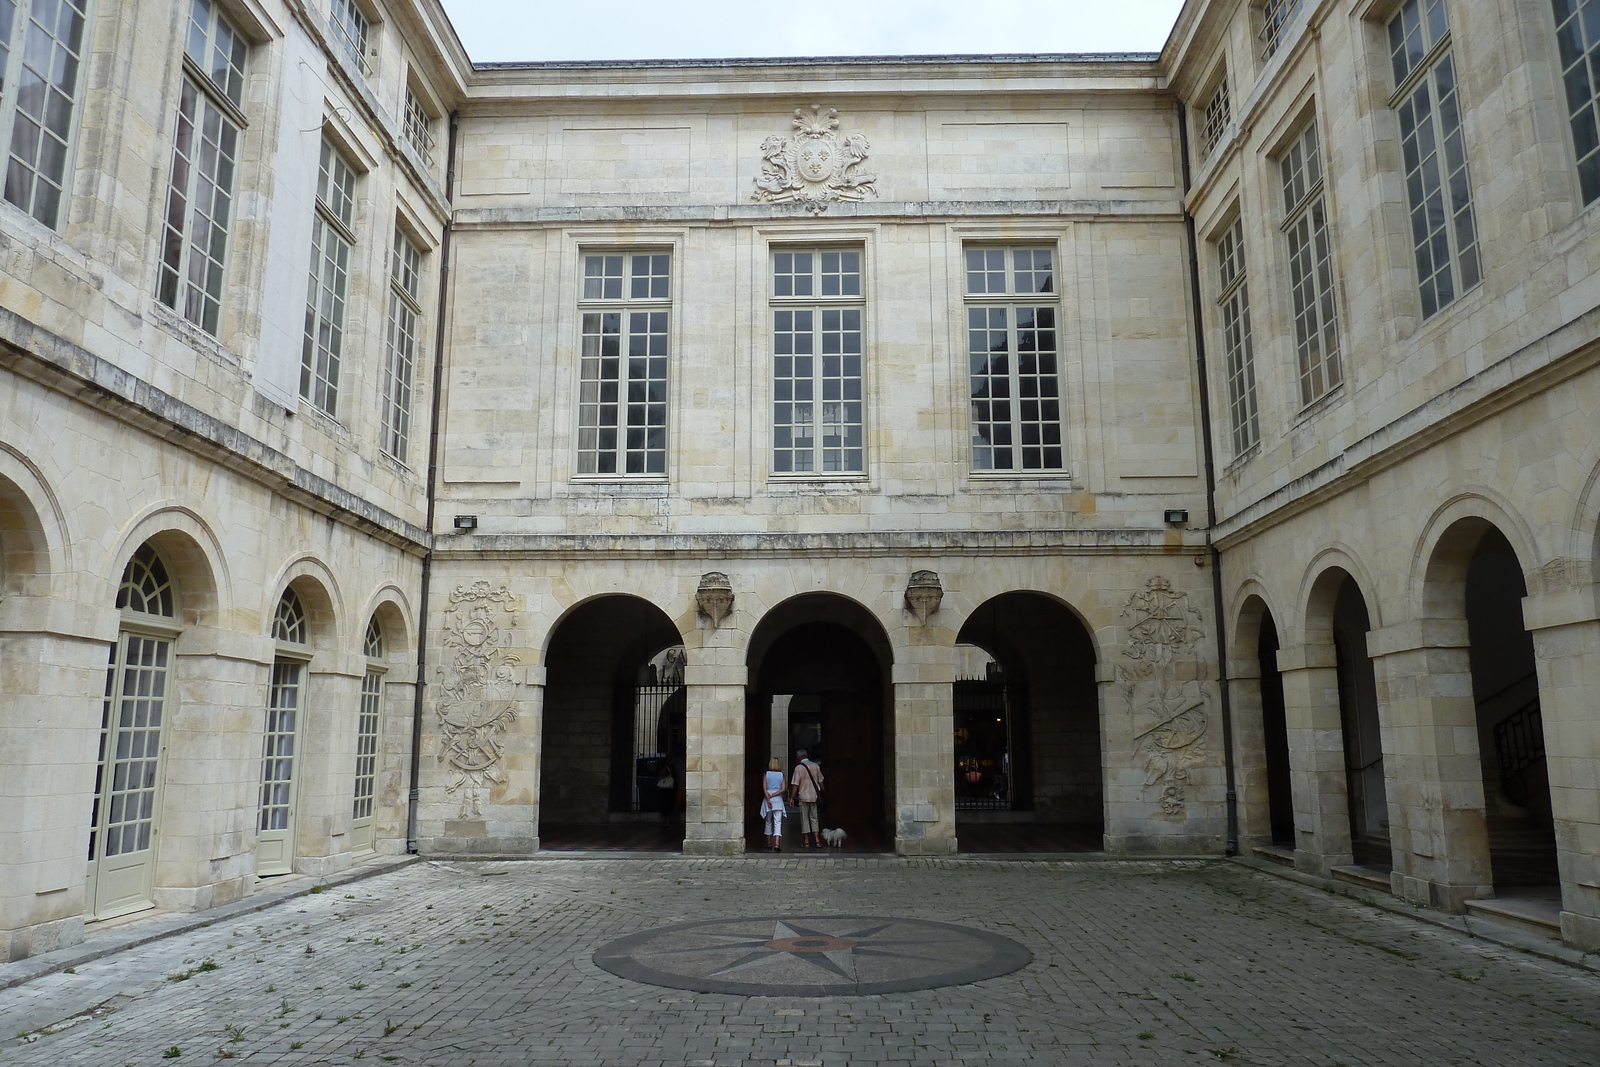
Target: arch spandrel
[[192, 553]]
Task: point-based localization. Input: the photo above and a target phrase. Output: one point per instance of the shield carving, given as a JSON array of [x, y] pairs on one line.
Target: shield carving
[[814, 166]]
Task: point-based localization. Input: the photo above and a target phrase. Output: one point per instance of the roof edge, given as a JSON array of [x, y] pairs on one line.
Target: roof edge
[[1013, 58]]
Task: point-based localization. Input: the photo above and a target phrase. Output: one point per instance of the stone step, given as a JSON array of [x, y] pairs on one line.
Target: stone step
[[1284, 857], [1533, 912], [1376, 878]]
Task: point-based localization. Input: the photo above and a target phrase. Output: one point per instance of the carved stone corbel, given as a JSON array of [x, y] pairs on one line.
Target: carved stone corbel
[[923, 594], [714, 598]]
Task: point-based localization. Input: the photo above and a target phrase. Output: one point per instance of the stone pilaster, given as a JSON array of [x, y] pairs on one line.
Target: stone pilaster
[[1316, 757], [205, 836], [924, 750], [52, 677], [1250, 753], [1563, 614], [714, 766], [327, 763], [1434, 777]]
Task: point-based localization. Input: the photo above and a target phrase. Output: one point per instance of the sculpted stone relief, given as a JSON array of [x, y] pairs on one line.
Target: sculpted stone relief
[[477, 690], [814, 166], [1170, 712]]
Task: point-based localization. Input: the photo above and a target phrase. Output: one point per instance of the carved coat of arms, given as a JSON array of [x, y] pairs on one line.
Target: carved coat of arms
[[476, 695], [814, 166], [1162, 629]]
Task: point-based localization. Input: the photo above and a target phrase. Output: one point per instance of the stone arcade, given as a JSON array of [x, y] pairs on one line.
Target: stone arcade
[[1142, 453]]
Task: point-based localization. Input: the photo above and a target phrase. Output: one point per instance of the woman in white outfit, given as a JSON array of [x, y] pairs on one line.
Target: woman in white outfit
[[772, 805]]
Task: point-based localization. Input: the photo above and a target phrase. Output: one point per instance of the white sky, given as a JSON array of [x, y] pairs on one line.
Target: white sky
[[710, 29]]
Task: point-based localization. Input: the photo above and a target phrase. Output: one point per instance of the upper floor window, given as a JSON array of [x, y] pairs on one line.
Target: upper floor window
[[1233, 310], [205, 152], [405, 316], [1013, 360], [1310, 265], [622, 372], [1276, 15], [1578, 36], [1444, 237], [351, 32], [41, 47], [1214, 115], [418, 126], [817, 304], [332, 235]]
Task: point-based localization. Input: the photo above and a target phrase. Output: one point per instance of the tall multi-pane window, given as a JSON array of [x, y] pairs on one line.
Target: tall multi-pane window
[[351, 32], [332, 235], [817, 304], [1578, 37], [622, 374], [280, 745], [204, 155], [405, 315], [1013, 363], [1233, 310], [1316, 330], [369, 723], [1444, 237], [122, 825], [1214, 116], [41, 50], [419, 126], [1276, 16]]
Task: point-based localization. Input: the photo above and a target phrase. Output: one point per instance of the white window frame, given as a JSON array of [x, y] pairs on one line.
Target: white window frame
[[40, 191], [1446, 252], [1313, 293], [1001, 263], [1233, 320], [1276, 17], [1583, 118], [333, 240], [623, 414], [1216, 111], [369, 741], [192, 267], [417, 122], [353, 32], [823, 318], [402, 344]]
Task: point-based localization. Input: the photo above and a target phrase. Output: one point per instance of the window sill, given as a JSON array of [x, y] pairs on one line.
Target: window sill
[[1331, 398], [818, 483], [1010, 481], [192, 335], [635, 485]]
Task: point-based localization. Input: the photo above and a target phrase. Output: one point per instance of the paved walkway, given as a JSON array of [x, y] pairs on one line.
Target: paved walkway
[[1133, 963]]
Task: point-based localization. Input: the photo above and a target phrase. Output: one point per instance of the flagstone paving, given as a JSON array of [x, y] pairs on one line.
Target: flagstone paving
[[1139, 962]]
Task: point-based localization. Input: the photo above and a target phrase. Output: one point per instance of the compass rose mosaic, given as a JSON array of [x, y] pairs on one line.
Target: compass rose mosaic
[[811, 956]]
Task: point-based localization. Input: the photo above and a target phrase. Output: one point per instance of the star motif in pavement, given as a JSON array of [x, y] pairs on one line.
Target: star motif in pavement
[[831, 952]]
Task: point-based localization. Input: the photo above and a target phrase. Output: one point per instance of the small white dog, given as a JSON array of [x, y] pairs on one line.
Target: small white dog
[[834, 838]]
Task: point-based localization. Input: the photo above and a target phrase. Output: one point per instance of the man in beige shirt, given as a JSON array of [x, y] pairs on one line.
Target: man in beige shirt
[[805, 789]]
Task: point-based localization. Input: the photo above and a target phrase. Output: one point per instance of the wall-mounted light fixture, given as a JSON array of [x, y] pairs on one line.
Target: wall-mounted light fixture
[[470, 522], [1175, 516]]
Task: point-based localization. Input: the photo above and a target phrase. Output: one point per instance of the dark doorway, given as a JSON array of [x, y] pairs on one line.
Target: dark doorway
[[1027, 763], [821, 685], [613, 725], [1505, 689], [1275, 736], [1366, 797]]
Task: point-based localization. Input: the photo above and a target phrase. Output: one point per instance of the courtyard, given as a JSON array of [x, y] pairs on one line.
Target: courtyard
[[1124, 962]]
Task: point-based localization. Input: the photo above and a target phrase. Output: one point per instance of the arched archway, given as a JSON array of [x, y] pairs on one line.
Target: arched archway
[[614, 726], [1266, 784], [1474, 574], [1337, 614], [820, 665], [1028, 740]]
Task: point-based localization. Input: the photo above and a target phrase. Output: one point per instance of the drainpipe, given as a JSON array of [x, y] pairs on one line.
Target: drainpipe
[[1224, 688], [435, 409]]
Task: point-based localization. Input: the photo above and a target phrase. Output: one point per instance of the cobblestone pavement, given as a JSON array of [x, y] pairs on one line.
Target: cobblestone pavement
[[1133, 963]]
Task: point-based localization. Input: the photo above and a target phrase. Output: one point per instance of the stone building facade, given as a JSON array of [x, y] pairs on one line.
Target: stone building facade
[[1174, 453]]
